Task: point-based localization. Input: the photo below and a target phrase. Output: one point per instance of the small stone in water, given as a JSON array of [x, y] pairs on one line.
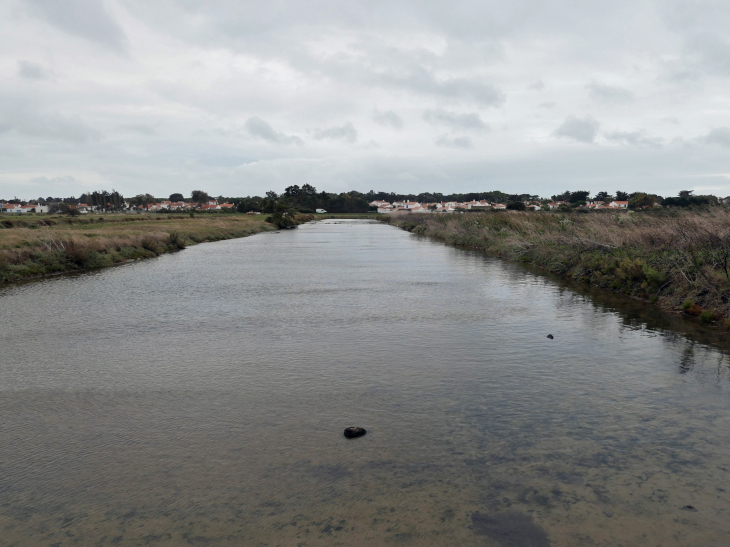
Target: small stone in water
[[689, 508], [354, 432], [550, 336]]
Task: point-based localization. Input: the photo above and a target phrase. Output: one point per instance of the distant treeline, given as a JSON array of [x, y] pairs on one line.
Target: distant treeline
[[307, 199]]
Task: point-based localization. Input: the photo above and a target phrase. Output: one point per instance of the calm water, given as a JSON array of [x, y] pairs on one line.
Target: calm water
[[199, 398]]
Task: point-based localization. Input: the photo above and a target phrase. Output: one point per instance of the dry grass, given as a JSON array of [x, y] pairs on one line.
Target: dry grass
[[672, 258], [34, 246]]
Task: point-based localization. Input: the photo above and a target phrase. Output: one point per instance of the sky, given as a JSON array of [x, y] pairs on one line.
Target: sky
[[237, 98]]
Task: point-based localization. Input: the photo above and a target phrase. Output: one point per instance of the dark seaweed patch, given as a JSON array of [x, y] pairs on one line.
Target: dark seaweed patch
[[510, 529]]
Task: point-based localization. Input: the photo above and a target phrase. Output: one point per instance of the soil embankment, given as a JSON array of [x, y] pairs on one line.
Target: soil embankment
[[40, 245], [678, 260]]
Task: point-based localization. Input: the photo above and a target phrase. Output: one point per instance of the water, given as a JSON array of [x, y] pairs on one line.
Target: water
[[200, 397]]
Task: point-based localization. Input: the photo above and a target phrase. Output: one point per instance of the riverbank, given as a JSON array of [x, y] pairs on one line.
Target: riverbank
[[677, 260], [41, 245]]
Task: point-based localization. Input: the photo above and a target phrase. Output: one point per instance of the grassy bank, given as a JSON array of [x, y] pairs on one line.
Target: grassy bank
[[48, 244], [678, 260]]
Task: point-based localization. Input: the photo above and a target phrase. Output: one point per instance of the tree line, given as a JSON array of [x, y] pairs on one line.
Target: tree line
[[307, 199]]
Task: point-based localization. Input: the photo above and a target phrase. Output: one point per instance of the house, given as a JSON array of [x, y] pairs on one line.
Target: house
[[227, 206], [619, 204], [34, 209], [320, 211], [500, 206], [406, 204], [210, 207], [12, 208], [556, 204], [378, 203]]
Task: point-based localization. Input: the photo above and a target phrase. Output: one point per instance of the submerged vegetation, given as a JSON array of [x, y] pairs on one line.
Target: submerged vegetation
[[36, 246], [678, 260]]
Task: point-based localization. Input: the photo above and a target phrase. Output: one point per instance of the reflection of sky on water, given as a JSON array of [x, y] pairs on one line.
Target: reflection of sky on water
[[200, 397]]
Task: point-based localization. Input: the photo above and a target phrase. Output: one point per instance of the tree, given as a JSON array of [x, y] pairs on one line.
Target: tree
[[142, 200], [283, 217], [516, 206], [621, 196], [580, 195], [199, 196], [605, 197], [641, 201], [176, 197]]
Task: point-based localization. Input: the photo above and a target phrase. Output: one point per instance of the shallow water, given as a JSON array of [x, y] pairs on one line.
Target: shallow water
[[200, 398]]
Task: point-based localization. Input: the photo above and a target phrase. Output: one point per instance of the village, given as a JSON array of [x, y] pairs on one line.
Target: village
[[484, 205], [84, 208]]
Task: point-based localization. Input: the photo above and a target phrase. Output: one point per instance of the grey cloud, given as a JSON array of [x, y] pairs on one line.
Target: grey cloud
[[138, 128], [31, 71], [710, 51], [346, 133], [607, 93], [578, 129], [88, 19], [421, 80], [455, 120], [454, 142], [27, 119], [550, 104], [389, 118], [633, 138], [261, 129], [55, 181], [719, 135], [537, 86]]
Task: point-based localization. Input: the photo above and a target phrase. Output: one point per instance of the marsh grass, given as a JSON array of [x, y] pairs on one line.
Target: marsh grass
[[37, 246], [664, 257]]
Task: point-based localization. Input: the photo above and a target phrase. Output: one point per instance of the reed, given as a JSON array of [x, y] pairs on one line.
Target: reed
[[664, 257], [42, 246]]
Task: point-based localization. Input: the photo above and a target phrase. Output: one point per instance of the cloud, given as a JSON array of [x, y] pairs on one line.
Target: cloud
[[609, 94], [719, 136], [31, 71], [68, 180], [549, 104], [633, 138], [388, 118], [455, 120], [346, 133], [27, 118], [578, 129], [139, 128], [423, 81], [454, 142], [261, 129], [537, 86], [88, 19]]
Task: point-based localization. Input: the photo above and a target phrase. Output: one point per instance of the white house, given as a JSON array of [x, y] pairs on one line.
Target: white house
[[619, 204]]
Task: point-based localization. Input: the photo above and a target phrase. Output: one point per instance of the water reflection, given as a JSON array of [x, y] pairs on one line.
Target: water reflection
[[200, 398]]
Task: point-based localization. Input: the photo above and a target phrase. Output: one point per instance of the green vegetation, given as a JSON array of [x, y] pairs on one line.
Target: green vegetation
[[34, 246], [677, 259]]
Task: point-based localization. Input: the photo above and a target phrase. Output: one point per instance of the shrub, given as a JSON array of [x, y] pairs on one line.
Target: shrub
[[690, 308], [76, 252]]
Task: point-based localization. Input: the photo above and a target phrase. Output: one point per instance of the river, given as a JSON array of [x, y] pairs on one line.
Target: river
[[199, 398]]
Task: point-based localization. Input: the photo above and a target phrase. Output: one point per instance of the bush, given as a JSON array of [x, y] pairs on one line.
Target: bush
[[690, 308], [76, 252]]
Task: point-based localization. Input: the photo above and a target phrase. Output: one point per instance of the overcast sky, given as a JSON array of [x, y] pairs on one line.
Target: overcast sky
[[237, 98]]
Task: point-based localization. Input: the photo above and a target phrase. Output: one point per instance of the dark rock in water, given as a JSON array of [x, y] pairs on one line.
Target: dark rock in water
[[550, 336], [689, 508], [354, 432], [510, 529], [608, 512]]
